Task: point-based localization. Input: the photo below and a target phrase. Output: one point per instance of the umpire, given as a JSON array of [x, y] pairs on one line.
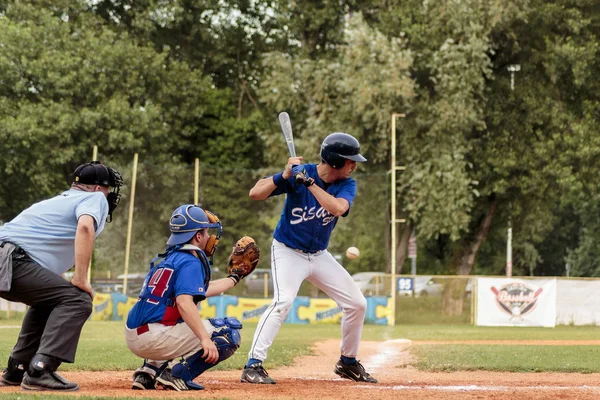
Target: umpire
[[36, 247]]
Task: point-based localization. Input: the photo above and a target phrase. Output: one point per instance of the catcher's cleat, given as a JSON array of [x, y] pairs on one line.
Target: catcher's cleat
[[169, 382], [255, 373], [356, 372], [143, 381], [48, 380]]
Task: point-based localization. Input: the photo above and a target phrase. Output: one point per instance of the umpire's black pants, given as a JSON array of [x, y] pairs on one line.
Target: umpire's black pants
[[57, 312]]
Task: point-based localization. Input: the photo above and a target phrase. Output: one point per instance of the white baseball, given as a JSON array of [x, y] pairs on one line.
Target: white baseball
[[352, 252]]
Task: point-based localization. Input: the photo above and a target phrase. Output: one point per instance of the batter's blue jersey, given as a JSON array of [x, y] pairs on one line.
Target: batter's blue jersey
[[304, 224], [179, 273]]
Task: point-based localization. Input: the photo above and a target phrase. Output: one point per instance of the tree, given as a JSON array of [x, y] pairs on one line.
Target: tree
[[355, 92]]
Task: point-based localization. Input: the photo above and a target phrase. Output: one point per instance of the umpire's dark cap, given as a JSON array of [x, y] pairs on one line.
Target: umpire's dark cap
[[95, 173]]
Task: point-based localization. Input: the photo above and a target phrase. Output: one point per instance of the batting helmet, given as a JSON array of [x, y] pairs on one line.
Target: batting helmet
[[338, 147], [188, 219]]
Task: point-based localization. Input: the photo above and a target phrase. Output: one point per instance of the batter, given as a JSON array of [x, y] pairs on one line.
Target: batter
[[317, 195]]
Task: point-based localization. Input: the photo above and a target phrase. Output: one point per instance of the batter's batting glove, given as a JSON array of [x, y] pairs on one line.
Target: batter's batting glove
[[299, 172]]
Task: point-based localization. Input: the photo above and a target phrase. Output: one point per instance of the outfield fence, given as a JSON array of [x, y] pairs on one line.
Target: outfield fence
[[433, 299]]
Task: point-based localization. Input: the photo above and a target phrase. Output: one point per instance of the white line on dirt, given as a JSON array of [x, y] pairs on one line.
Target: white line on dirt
[[474, 388], [10, 326], [388, 352]]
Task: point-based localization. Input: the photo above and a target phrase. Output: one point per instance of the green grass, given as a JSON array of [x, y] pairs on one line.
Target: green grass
[[12, 318], [469, 332], [102, 346], [511, 358], [428, 310]]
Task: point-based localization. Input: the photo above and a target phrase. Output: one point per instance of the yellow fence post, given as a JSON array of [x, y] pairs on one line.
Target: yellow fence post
[[266, 285], [196, 179], [89, 271], [393, 219], [130, 221]]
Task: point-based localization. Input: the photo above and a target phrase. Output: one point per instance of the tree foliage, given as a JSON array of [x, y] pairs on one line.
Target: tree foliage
[[180, 80]]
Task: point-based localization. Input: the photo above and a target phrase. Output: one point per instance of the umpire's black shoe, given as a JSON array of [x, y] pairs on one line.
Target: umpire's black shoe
[[13, 373], [255, 373], [41, 375], [9, 379], [48, 381], [143, 381], [356, 372]]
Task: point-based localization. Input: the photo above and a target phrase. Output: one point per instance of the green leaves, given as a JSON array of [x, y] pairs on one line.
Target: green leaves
[[205, 79]]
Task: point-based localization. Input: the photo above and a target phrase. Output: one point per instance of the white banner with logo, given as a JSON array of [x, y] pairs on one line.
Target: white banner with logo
[[516, 302]]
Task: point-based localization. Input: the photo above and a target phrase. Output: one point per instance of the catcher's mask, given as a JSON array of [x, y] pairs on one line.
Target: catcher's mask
[[189, 219], [96, 173]]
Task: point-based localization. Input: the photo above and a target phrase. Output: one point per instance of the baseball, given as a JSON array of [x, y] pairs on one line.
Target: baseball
[[352, 253]]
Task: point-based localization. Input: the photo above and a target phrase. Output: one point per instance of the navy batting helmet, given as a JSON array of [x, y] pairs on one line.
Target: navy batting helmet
[[339, 147], [188, 219]]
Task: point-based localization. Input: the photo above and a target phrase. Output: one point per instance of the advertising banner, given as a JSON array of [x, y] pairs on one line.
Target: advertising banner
[[304, 310], [516, 302]]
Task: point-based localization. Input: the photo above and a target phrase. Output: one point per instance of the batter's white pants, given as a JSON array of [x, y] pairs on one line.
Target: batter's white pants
[[290, 268]]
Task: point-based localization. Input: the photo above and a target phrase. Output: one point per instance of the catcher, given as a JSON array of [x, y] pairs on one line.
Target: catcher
[[164, 326]]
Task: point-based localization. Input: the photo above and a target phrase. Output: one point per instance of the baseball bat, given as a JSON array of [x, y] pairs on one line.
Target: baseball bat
[[286, 128]]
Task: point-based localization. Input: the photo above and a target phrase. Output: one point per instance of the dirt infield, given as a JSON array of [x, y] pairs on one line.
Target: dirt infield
[[312, 378]]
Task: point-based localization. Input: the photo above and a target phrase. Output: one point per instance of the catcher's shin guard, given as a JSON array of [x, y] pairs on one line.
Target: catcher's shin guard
[[227, 339]]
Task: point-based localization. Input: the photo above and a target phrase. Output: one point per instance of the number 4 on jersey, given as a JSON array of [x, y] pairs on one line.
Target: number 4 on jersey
[[159, 283]]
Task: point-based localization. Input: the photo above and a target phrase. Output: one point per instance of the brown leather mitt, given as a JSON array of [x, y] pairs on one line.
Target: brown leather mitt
[[243, 258]]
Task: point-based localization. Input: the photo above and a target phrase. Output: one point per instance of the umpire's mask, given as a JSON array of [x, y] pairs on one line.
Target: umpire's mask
[[96, 173]]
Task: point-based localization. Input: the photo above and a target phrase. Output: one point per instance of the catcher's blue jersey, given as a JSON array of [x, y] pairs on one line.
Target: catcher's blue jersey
[[179, 273], [304, 224]]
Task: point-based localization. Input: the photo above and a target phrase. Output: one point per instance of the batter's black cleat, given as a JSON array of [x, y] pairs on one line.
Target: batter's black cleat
[[255, 373], [169, 382], [143, 381], [355, 372]]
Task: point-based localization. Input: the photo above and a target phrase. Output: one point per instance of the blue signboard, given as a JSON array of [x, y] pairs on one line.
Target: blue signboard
[[405, 285]]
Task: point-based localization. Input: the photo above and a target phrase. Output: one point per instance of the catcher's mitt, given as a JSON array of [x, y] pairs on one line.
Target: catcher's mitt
[[243, 258]]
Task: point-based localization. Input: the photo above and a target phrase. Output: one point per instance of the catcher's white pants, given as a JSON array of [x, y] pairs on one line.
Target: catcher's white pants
[[162, 343], [290, 268]]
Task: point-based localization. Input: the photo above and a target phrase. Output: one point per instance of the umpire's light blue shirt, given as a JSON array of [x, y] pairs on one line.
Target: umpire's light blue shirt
[[46, 230]]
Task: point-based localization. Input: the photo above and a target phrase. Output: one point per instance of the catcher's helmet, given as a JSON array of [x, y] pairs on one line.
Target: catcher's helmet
[[339, 146], [188, 219]]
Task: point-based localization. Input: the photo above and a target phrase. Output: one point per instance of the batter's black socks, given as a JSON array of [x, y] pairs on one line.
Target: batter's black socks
[[348, 360]]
